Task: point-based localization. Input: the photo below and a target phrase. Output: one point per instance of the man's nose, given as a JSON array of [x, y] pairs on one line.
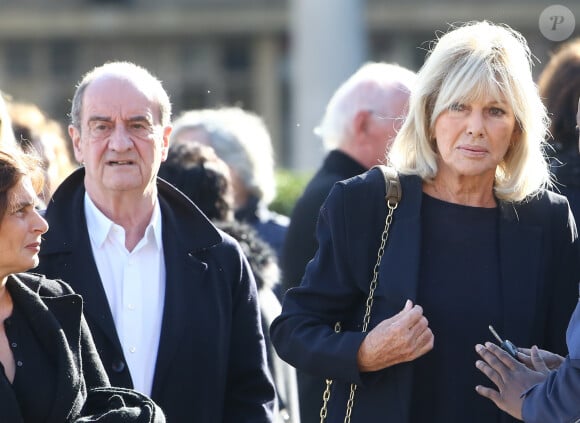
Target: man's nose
[[120, 139]]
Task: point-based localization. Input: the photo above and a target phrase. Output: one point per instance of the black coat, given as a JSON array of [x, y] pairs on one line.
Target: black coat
[[57, 321], [211, 364], [540, 269], [300, 243]]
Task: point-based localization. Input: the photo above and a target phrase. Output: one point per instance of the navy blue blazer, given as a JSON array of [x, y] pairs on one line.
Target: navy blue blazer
[[211, 363], [540, 270]]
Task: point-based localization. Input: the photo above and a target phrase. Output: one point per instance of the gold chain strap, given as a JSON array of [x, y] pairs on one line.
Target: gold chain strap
[[326, 393], [392, 198]]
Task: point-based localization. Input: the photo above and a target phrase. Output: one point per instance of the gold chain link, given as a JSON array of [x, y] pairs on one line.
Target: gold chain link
[[392, 205], [326, 393], [325, 398], [370, 299]]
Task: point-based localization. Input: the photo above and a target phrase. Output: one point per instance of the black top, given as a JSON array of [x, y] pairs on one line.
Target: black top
[[456, 241], [35, 380]]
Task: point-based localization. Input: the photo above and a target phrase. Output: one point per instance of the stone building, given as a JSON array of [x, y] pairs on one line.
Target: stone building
[[279, 58]]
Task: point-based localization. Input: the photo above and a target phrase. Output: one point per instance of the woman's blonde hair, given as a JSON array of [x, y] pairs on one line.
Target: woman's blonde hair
[[468, 63]]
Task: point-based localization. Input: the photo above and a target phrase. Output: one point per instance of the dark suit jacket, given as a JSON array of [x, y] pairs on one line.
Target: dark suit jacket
[[558, 398], [211, 364], [539, 263], [55, 314], [300, 243]]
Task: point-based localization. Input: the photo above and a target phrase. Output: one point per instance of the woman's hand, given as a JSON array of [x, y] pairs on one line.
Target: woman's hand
[[398, 339], [511, 377]]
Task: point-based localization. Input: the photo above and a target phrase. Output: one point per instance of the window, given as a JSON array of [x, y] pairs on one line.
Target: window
[[62, 59], [18, 59]]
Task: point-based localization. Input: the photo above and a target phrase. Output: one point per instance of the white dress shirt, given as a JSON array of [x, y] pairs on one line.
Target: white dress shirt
[[134, 282]]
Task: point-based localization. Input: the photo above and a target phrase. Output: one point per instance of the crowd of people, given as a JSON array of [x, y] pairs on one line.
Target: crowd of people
[[144, 276]]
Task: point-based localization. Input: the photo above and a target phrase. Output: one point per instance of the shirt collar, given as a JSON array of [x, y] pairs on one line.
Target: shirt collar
[[100, 226]]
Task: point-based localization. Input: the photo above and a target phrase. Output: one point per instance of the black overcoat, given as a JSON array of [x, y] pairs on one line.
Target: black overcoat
[[211, 364], [55, 315]]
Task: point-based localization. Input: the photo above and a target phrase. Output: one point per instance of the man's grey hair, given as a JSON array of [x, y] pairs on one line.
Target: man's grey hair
[[131, 72], [369, 88]]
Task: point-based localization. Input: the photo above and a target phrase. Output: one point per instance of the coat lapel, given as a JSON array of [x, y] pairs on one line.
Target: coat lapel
[[185, 276], [89, 286], [68, 238], [403, 250], [45, 317], [519, 252]]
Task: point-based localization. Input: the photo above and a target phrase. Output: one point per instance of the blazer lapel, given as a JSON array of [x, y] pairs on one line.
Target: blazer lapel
[[519, 252], [399, 275], [400, 264]]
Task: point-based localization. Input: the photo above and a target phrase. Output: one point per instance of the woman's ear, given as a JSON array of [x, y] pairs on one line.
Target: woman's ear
[[516, 134]]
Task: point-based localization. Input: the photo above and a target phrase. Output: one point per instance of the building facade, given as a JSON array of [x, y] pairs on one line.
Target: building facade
[[210, 53]]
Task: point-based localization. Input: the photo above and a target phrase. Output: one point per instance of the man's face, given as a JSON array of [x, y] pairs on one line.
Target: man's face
[[121, 142]]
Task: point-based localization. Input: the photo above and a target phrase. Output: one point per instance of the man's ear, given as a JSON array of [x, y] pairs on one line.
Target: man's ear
[[361, 121], [165, 146], [75, 136]]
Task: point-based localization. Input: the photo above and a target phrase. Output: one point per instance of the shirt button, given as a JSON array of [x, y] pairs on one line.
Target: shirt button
[[130, 306], [118, 366], [14, 345], [19, 363], [132, 349]]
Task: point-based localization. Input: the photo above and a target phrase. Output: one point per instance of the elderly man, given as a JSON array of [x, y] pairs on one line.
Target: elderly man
[[170, 299]]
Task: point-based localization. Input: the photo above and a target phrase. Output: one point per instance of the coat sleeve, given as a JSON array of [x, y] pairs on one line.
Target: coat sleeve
[[250, 392], [334, 287], [565, 276], [556, 399]]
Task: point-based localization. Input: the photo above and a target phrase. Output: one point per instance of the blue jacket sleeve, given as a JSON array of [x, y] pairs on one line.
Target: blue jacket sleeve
[[557, 398]]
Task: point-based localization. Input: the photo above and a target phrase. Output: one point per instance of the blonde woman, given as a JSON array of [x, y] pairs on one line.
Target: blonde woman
[[477, 239]]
